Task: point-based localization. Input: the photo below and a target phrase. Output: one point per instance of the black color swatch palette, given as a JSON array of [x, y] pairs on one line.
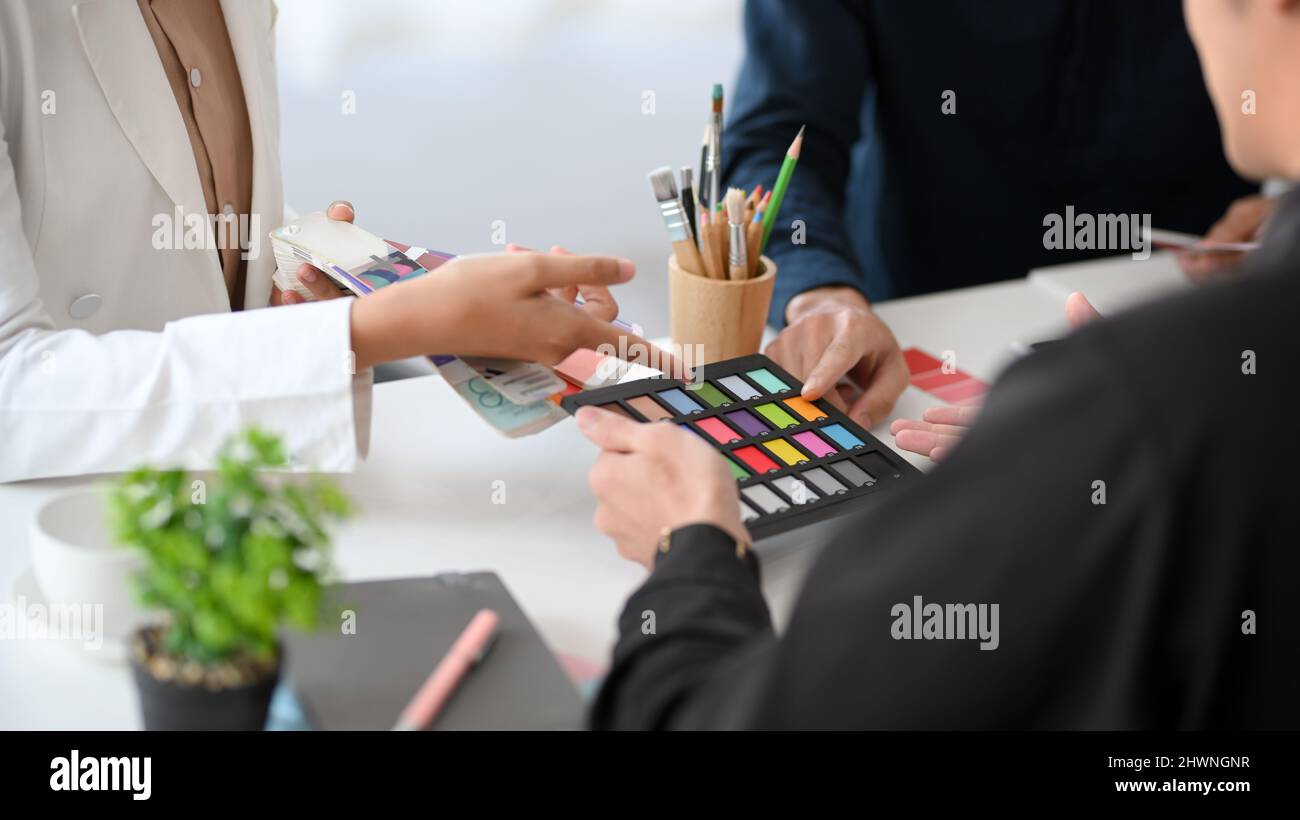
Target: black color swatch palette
[[796, 462]]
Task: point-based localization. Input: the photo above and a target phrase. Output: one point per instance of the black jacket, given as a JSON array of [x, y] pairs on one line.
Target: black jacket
[[1175, 604]]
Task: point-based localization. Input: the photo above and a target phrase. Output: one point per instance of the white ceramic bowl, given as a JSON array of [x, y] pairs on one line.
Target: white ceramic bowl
[[80, 570]]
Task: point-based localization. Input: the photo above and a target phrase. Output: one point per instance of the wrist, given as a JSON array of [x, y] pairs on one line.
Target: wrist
[[368, 342], [830, 296], [704, 535], [389, 325]]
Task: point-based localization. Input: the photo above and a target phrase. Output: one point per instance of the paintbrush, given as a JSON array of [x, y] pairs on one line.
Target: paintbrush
[[679, 229], [738, 244]]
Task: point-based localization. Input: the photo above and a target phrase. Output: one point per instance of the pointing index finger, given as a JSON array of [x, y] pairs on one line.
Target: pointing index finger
[[557, 271]]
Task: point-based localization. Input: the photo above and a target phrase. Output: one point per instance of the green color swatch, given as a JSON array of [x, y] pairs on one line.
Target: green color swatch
[[711, 394], [776, 415], [736, 470]]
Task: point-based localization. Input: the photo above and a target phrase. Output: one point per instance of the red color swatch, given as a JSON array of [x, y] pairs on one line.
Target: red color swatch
[[758, 462], [953, 387]]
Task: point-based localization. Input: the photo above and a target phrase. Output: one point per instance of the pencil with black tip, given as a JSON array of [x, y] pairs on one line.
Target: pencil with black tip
[[688, 201], [782, 183]]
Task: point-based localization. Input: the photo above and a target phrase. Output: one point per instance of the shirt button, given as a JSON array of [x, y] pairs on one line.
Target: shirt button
[[83, 307], [196, 79]]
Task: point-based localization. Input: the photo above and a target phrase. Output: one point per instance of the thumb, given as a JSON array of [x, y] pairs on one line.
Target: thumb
[[882, 390], [1079, 311], [608, 431], [340, 210]]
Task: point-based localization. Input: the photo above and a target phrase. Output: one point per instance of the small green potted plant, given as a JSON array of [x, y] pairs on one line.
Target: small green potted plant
[[229, 560]]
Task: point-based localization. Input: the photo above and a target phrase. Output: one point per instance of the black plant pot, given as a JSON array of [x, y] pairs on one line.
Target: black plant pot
[[170, 706]]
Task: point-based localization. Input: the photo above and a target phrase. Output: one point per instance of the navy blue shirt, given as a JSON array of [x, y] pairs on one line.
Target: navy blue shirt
[[1098, 104]]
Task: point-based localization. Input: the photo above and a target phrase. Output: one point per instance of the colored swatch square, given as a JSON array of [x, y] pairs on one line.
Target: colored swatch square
[[805, 408], [717, 430], [737, 471], [785, 451], [680, 402], [776, 415], [764, 499], [739, 388], [824, 481], [764, 379], [842, 436], [755, 459], [747, 512], [853, 473], [710, 394], [814, 444], [648, 407], [795, 489], [751, 424], [877, 465]]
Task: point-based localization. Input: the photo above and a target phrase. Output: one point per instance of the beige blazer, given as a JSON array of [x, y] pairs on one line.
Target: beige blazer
[[117, 347]]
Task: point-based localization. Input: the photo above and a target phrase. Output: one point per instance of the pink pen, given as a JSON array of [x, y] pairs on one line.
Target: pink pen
[[468, 650]]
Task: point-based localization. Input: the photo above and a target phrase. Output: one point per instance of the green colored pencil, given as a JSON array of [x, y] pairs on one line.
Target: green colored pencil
[[782, 182]]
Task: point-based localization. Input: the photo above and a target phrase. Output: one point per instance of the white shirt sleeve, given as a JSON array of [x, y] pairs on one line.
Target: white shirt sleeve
[[73, 403]]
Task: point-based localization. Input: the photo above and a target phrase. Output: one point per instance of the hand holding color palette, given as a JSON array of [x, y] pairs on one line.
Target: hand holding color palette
[[794, 461], [650, 478]]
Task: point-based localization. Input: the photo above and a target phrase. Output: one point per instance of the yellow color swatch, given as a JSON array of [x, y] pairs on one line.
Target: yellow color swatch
[[782, 450]]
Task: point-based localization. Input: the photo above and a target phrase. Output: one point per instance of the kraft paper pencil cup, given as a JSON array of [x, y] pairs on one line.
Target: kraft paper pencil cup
[[726, 316]]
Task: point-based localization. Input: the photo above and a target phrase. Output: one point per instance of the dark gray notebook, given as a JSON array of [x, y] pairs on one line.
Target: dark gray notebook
[[403, 628]]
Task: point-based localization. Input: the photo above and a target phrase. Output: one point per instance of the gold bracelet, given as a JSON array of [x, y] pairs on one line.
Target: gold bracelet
[[666, 538]]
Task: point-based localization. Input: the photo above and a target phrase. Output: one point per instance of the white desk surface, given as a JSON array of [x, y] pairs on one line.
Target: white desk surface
[[425, 499], [1114, 283]]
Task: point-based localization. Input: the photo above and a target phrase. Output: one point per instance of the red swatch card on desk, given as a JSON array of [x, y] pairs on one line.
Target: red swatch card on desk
[[945, 383]]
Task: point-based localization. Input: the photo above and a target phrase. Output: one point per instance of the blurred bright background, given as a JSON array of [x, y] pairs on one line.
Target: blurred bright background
[[525, 111]]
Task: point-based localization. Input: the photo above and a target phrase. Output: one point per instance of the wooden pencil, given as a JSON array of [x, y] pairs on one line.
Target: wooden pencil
[[720, 244], [707, 252], [754, 238]]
